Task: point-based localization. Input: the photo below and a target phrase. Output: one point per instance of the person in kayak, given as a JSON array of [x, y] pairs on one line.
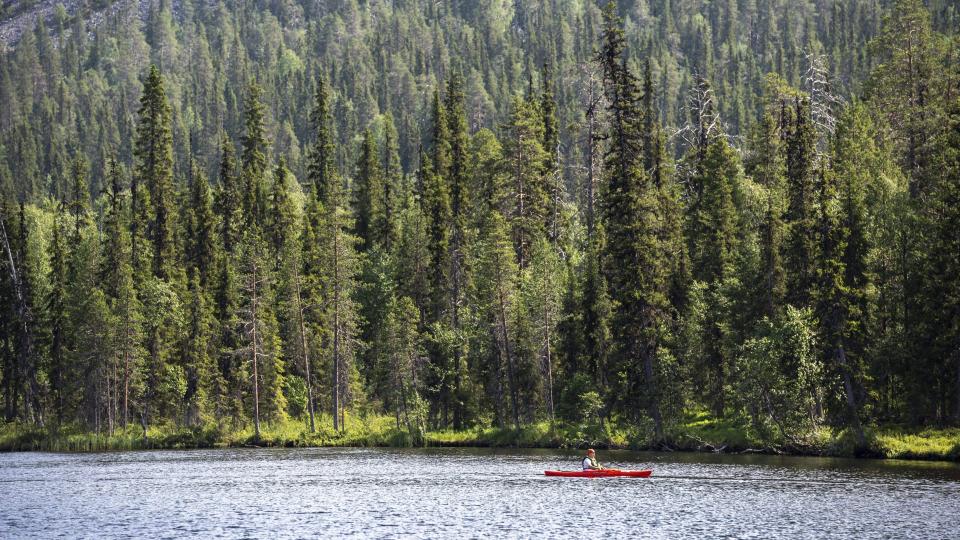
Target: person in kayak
[[590, 462]]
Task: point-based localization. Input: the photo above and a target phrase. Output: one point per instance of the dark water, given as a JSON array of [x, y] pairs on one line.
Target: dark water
[[320, 493]]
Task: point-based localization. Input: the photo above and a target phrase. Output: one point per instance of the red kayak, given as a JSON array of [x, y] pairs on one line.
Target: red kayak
[[604, 473]]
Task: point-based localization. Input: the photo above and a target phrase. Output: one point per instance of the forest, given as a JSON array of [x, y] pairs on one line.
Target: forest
[[604, 218]]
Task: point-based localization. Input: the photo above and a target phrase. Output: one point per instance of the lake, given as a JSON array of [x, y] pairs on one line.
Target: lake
[[467, 493]]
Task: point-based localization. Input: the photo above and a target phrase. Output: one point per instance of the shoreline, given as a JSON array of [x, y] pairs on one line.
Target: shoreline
[[885, 443]]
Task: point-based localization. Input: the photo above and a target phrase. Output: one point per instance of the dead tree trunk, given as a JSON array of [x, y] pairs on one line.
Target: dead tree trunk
[[306, 351], [24, 367]]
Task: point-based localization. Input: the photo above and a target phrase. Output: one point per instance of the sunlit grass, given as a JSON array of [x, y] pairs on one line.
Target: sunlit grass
[[697, 431], [926, 444], [700, 430]]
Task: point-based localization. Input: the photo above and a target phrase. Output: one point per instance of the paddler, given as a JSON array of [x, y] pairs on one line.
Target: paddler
[[590, 462]]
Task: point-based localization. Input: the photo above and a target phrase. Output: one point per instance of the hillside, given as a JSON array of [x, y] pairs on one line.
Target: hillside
[[625, 220]]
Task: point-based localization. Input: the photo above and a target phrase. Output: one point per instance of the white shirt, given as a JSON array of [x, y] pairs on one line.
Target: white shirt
[[587, 464]]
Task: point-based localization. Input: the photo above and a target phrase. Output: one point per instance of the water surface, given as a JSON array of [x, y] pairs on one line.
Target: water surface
[[382, 493]]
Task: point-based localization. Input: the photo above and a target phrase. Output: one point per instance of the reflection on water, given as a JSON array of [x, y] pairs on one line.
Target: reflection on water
[[469, 493]]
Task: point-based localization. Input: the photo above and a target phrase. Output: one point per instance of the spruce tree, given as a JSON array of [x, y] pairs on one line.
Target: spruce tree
[[712, 250], [801, 209], [253, 158], [229, 200], [282, 217], [460, 213], [439, 142], [198, 354], [56, 318], [402, 350], [368, 198], [498, 300], [320, 157], [836, 302], [153, 149], [633, 263], [393, 199], [201, 241], [944, 278], [79, 204]]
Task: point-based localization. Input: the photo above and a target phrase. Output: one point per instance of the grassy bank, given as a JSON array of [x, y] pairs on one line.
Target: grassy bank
[[697, 433]]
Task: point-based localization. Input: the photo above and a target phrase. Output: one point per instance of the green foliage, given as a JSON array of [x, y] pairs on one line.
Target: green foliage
[[779, 376], [516, 244]]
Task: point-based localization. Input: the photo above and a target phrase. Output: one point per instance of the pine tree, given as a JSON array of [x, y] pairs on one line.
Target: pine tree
[[339, 264], [524, 159], [498, 299], [116, 275]]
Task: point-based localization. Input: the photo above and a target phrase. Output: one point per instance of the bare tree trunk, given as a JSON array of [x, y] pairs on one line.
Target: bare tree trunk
[[126, 373], [547, 338], [850, 397], [455, 325], [111, 393], [253, 351], [558, 190], [521, 210], [511, 371], [593, 101], [151, 379], [336, 330], [956, 395], [647, 352], [306, 352], [31, 393]]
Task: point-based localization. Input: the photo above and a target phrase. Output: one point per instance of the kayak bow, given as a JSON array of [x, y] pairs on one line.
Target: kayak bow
[[603, 473]]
